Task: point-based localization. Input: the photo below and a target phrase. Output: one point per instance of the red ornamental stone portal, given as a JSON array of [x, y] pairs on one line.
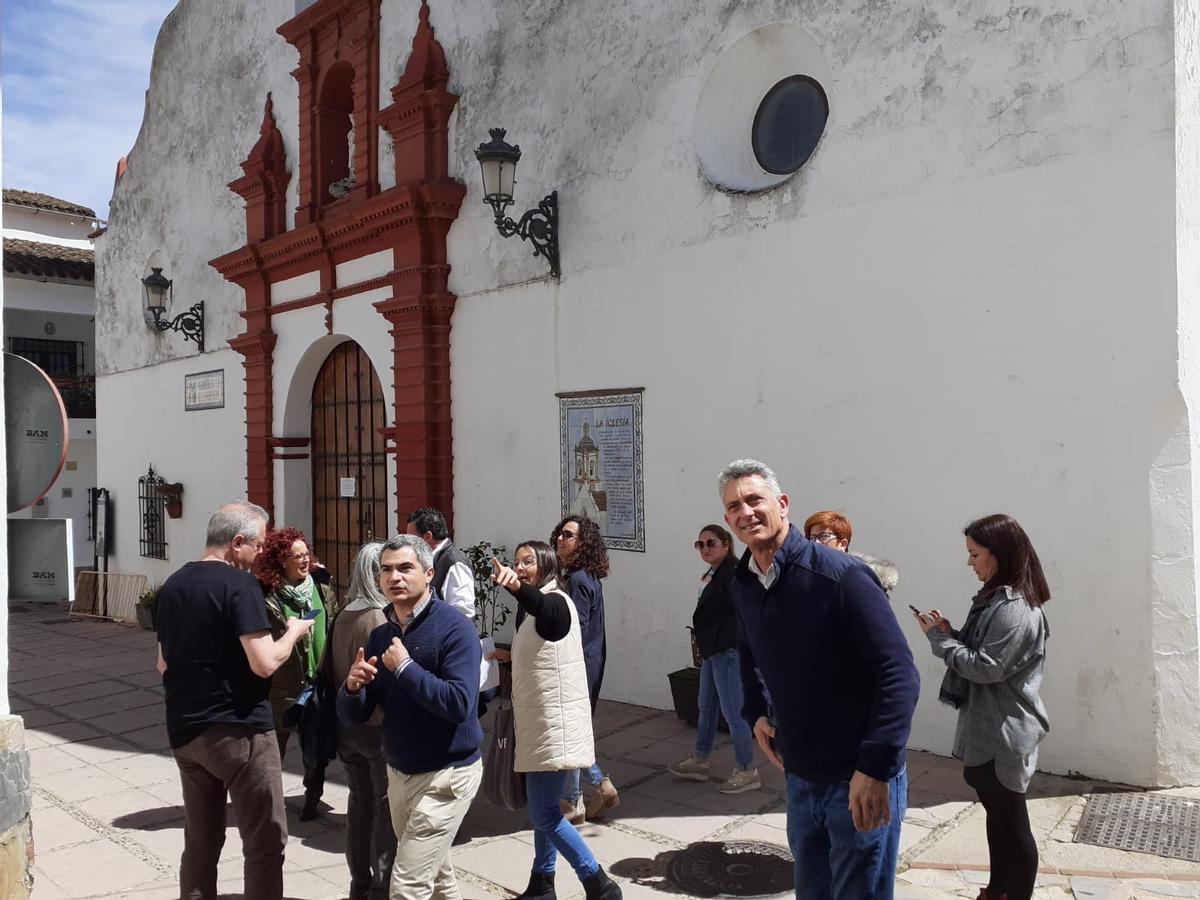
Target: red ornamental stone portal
[[342, 215]]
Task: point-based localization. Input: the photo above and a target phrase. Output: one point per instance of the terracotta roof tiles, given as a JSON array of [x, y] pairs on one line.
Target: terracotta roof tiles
[[35, 200], [40, 260]]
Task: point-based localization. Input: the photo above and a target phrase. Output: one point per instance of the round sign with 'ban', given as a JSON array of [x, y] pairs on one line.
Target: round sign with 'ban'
[[35, 431]]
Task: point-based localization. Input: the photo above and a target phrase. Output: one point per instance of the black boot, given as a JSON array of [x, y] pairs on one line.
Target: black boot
[[601, 887], [541, 887]]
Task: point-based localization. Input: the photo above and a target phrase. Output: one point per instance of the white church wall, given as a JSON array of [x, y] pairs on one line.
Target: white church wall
[[915, 368], [145, 423], [1175, 622], [965, 302]]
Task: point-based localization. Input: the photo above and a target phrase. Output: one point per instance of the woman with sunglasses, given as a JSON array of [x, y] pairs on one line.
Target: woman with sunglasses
[[583, 560], [994, 677], [552, 716], [284, 569], [714, 627]]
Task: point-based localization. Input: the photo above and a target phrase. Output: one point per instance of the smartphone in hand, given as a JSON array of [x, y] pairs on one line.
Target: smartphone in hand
[[311, 614], [914, 609]]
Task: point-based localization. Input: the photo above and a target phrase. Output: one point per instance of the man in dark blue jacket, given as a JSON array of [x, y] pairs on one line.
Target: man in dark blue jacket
[[422, 668], [818, 627]]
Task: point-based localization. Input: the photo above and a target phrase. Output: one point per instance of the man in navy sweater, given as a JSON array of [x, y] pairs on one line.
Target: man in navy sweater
[[818, 627], [422, 667]]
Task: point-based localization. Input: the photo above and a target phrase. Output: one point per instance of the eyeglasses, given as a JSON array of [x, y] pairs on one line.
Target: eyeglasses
[[299, 556], [824, 537], [710, 543], [568, 535]]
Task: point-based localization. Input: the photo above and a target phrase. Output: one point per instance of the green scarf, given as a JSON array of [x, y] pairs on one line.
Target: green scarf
[[296, 600]]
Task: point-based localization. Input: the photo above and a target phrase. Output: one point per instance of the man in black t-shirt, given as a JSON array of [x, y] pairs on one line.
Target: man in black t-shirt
[[216, 656]]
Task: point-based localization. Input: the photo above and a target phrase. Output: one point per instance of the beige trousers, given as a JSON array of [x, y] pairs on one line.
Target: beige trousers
[[426, 812]]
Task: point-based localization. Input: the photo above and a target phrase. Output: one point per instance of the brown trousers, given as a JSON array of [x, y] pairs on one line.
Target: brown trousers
[[243, 763]]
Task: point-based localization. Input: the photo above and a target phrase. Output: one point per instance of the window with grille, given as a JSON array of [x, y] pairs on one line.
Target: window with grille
[[152, 503], [58, 359]]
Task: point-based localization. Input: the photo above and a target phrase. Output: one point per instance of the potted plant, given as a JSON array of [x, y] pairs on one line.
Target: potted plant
[[491, 610], [145, 609], [173, 495]]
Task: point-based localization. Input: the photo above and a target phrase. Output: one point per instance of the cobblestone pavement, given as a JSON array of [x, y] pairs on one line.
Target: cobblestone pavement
[[108, 815]]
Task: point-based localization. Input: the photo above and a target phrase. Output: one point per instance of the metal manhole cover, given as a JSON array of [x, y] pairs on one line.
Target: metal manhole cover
[[1144, 823], [732, 869]]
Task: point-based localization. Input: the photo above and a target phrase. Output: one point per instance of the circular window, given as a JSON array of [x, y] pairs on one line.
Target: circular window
[[788, 124], [762, 109]]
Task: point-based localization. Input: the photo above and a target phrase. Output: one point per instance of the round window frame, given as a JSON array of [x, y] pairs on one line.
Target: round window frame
[[754, 142]]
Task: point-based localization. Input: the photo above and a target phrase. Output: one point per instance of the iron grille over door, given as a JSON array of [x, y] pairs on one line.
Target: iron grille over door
[[348, 457]]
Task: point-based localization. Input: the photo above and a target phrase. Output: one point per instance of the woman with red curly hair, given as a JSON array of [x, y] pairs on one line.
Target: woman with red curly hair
[[285, 571]]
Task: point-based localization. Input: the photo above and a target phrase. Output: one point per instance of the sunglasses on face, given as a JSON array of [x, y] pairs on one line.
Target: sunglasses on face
[[709, 544], [568, 535]]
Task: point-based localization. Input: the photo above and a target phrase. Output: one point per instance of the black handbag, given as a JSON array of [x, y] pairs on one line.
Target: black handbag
[[502, 785], [313, 717]]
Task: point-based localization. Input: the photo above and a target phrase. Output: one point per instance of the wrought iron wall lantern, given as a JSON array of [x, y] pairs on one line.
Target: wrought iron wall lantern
[[498, 161], [158, 291]]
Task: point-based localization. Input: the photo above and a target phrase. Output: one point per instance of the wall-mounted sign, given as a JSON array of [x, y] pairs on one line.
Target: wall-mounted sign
[[347, 487], [204, 390], [600, 463]]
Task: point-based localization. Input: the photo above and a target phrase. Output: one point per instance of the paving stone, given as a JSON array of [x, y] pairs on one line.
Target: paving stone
[[96, 869], [1099, 888], [44, 887], [53, 828], [1159, 888], [48, 760]]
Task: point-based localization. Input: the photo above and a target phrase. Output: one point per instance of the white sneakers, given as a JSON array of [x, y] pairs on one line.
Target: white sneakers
[[739, 782], [690, 768]]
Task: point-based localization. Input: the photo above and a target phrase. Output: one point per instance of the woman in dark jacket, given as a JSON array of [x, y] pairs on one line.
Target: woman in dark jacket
[[584, 560], [714, 625]]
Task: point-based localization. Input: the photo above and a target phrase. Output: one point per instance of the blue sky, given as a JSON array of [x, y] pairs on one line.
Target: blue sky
[[74, 75]]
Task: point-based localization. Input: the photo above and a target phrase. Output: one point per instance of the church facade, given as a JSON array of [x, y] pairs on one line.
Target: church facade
[[929, 263]]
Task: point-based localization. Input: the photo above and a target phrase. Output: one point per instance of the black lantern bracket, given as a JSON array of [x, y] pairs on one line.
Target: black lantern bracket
[[539, 226], [158, 291], [190, 323], [498, 161]]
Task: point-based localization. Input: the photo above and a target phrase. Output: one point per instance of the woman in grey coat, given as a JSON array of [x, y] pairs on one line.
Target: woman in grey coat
[[994, 677]]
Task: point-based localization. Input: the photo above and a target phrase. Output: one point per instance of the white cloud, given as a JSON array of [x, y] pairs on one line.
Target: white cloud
[[75, 74]]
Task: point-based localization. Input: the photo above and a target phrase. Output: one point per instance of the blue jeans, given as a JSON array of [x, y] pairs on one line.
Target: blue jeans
[[833, 861], [553, 834], [721, 688], [571, 784]]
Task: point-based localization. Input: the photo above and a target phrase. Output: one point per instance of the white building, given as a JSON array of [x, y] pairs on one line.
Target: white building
[[978, 294], [49, 318]]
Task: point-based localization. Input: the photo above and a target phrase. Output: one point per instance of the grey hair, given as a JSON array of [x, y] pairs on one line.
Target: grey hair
[[744, 468], [413, 542], [240, 517], [364, 577]]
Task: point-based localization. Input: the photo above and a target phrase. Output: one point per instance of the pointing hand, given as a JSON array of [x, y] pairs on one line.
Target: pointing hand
[[362, 671]]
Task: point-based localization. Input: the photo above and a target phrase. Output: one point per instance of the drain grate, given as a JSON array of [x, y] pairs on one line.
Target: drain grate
[[732, 869], [1144, 823]]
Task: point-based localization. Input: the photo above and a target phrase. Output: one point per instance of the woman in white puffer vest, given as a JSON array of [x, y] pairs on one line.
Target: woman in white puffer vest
[[552, 714]]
